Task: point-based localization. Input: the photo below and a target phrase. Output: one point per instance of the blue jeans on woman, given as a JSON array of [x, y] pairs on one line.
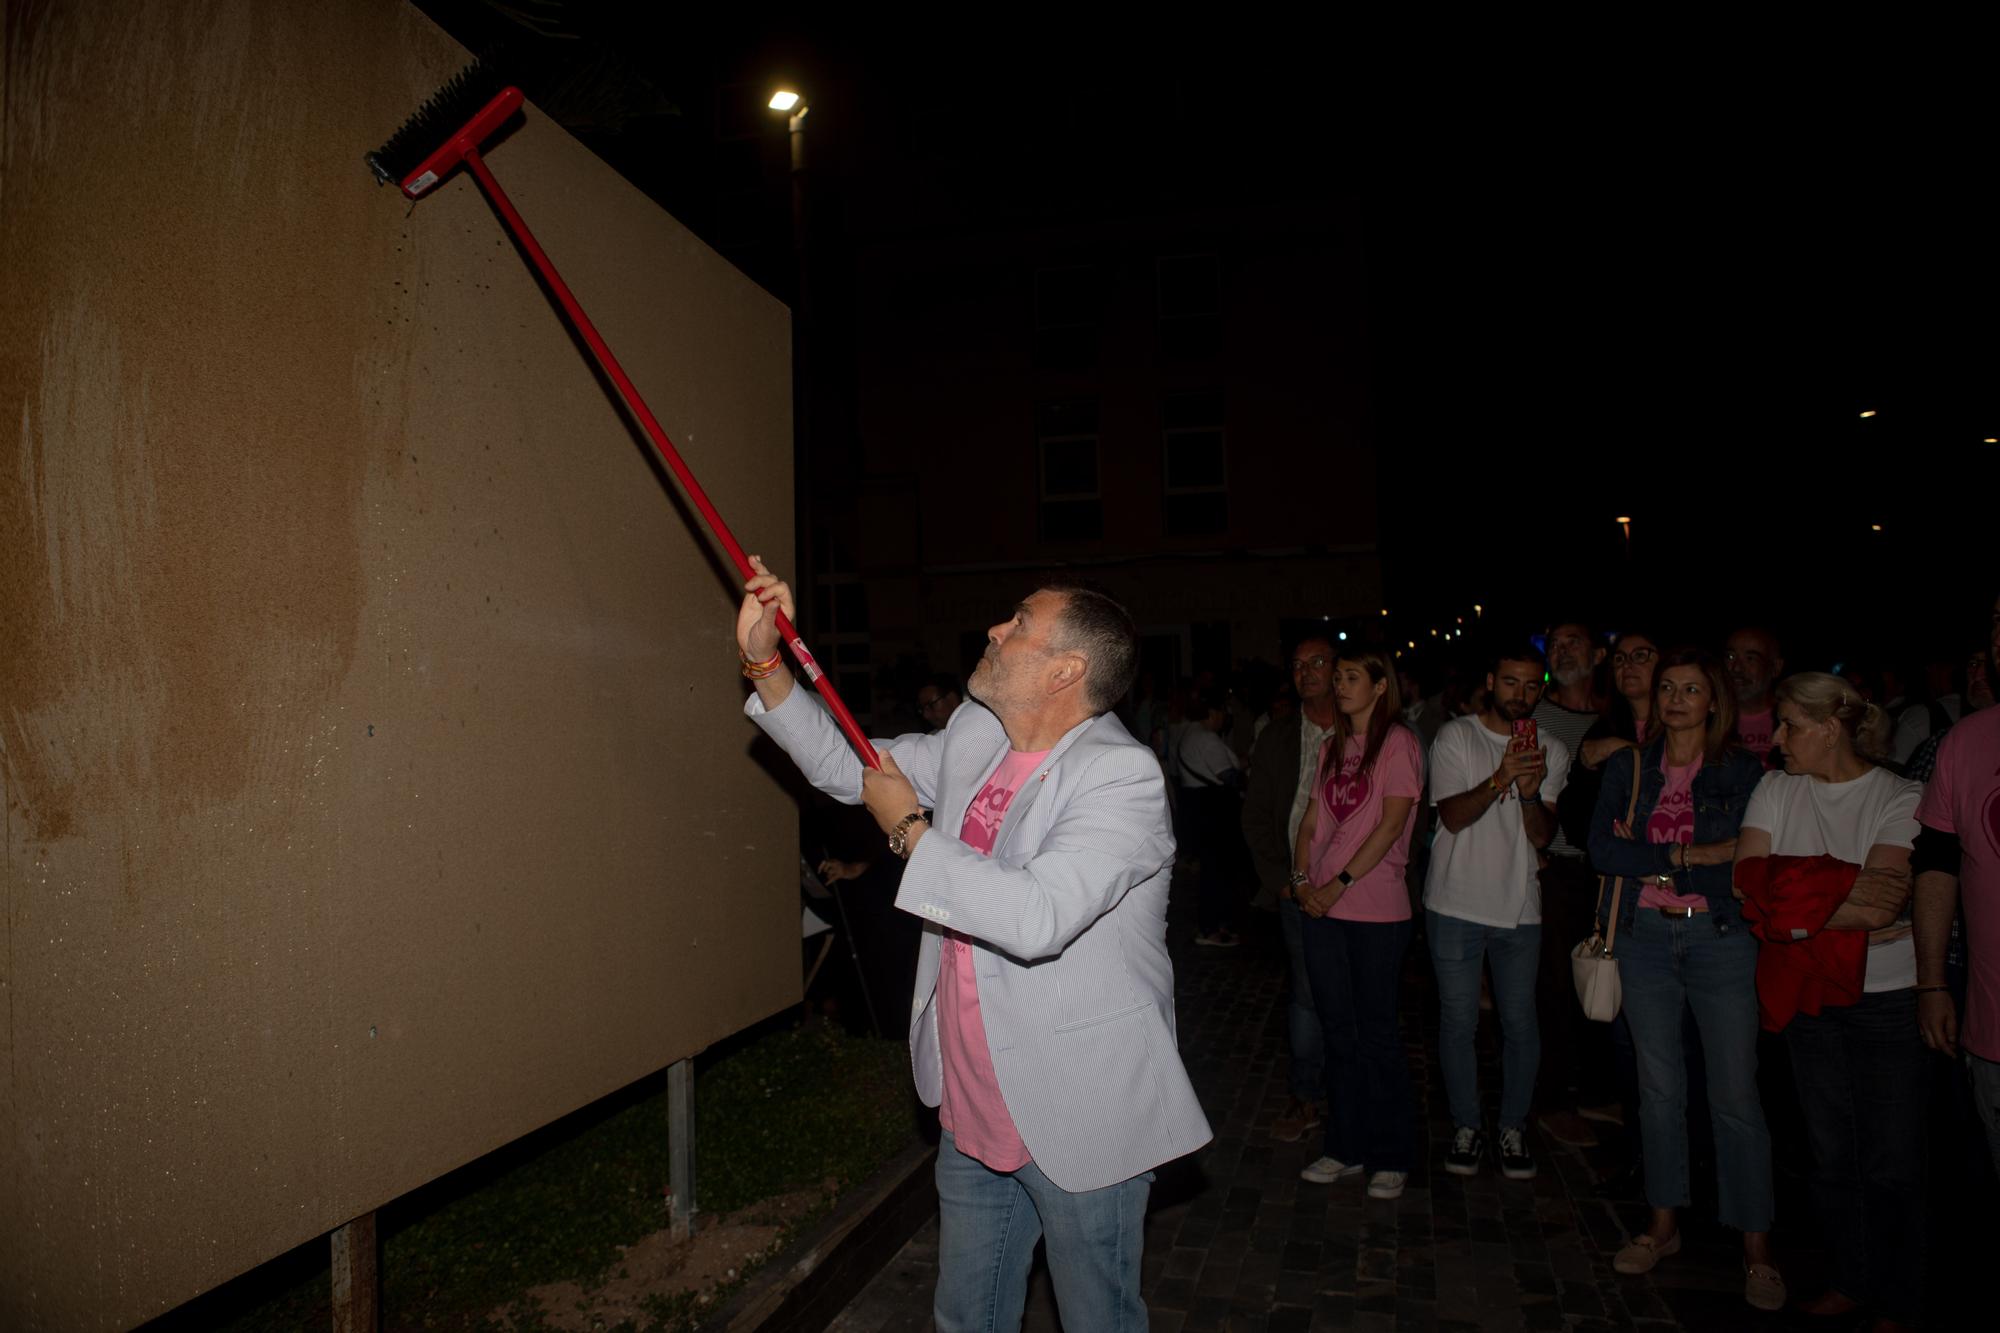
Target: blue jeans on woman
[[1356, 970], [1672, 964], [1864, 1077], [988, 1223]]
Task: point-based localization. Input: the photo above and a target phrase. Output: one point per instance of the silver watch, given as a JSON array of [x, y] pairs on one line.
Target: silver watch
[[1298, 879]]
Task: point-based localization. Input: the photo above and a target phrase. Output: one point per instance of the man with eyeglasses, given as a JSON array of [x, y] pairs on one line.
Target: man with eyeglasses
[[1568, 709], [1274, 805], [937, 699]]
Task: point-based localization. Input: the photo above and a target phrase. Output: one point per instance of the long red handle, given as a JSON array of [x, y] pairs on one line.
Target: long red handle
[[670, 455]]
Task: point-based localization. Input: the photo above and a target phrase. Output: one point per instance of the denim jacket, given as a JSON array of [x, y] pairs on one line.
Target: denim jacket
[[1721, 794]]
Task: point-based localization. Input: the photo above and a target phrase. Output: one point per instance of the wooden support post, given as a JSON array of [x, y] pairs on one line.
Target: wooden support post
[[357, 1297], [680, 1149]]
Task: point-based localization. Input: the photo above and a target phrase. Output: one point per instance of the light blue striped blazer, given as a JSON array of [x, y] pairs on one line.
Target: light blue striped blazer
[[1069, 919]]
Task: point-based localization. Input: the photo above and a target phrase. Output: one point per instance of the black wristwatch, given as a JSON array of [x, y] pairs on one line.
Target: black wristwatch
[[1346, 880]]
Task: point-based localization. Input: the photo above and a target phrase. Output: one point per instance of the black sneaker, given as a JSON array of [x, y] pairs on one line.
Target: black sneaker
[[1467, 1147], [1515, 1164]]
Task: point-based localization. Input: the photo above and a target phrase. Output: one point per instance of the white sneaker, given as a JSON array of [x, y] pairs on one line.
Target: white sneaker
[[1327, 1170], [1387, 1184]]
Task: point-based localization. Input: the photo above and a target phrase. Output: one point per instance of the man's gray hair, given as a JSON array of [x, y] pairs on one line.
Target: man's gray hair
[[1103, 633]]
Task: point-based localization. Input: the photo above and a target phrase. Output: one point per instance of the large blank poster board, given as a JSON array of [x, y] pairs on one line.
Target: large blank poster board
[[376, 785]]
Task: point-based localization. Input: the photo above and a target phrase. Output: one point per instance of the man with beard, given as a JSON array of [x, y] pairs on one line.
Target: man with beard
[[1043, 1021], [1754, 664], [1496, 796], [1570, 707], [1281, 776]]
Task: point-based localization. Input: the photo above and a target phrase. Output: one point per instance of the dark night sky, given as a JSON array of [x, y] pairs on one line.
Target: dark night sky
[[1610, 270]]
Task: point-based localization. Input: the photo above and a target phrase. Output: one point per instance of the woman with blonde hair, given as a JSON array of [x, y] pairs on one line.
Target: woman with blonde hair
[[1861, 1067]]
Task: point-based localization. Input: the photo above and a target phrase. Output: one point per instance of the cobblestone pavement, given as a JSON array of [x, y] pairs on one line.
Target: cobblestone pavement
[[1235, 1240]]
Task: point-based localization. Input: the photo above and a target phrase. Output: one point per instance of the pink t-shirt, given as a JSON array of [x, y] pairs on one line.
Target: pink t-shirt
[[1963, 797], [1350, 808], [1672, 820], [1754, 730], [972, 1107]]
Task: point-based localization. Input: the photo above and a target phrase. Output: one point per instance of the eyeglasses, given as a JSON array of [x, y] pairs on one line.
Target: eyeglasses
[[1316, 663], [1637, 657]]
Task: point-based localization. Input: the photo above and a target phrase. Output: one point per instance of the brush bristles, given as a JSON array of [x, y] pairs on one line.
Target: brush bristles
[[448, 109]]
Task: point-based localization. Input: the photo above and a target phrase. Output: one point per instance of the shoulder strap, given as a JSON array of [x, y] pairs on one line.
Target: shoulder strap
[[1618, 884]]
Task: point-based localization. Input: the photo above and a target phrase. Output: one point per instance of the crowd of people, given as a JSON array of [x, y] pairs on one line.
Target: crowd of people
[[1807, 854]]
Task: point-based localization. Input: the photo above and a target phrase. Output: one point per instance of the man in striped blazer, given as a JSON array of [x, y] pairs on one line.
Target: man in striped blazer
[[1042, 1027]]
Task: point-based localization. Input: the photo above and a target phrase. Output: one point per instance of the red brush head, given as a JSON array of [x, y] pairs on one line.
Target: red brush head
[[455, 121]]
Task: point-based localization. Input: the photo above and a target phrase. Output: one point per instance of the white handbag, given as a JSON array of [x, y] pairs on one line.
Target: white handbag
[[1593, 963]]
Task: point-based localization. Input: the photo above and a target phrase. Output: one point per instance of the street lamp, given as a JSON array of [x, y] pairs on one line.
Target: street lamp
[[789, 103]]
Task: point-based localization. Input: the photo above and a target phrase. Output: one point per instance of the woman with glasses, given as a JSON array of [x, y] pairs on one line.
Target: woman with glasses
[[1608, 1073], [1627, 722], [937, 699]]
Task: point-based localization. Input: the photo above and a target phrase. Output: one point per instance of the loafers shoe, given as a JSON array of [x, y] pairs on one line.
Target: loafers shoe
[[1642, 1254], [1763, 1287]]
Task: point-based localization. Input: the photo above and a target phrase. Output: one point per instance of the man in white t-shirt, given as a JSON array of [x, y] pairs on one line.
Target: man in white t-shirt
[[1495, 790], [1209, 778]]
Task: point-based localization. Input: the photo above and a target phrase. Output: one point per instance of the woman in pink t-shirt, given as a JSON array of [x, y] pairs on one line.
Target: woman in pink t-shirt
[[1353, 846]]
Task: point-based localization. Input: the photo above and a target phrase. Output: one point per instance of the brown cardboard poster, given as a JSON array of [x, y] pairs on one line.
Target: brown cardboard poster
[[375, 783]]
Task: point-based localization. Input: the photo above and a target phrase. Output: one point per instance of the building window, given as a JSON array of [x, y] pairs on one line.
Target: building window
[[1196, 464], [1190, 306], [1068, 310], [1072, 508], [840, 638]]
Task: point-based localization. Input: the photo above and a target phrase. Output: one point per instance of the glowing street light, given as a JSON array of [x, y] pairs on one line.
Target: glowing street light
[[783, 100], [1991, 440], [1874, 527], [1869, 413], [1478, 610]]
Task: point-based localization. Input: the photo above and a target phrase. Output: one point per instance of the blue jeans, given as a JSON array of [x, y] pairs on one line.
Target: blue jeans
[[1302, 1017], [1669, 964], [988, 1223], [1457, 949], [1356, 968], [1863, 1074]]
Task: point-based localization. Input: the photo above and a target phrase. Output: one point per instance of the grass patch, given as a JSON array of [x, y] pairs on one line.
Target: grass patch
[[778, 1109]]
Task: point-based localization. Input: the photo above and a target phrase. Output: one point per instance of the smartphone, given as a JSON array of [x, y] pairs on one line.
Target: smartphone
[[1526, 734]]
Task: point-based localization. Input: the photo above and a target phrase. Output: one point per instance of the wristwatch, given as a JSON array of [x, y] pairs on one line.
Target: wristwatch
[[1298, 880], [899, 836], [1346, 880]]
